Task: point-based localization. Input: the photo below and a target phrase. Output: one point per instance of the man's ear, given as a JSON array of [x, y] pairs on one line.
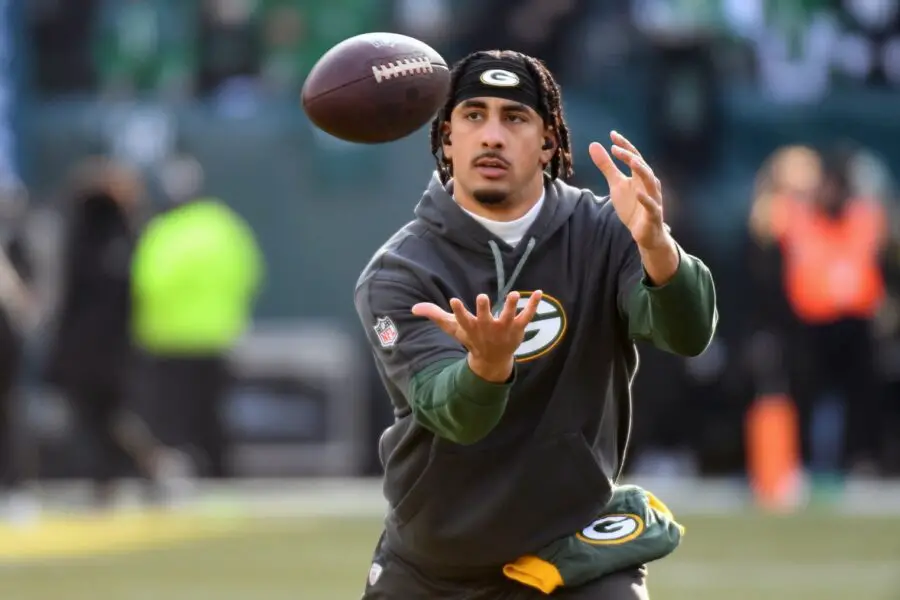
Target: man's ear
[[446, 141], [550, 145]]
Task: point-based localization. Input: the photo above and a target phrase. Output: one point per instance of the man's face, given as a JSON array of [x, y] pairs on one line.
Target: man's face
[[496, 149]]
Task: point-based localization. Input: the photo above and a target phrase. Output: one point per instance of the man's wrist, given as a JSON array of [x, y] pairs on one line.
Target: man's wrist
[[491, 372], [661, 262]]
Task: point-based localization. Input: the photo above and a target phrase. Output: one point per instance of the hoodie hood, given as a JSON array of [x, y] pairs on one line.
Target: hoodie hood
[[444, 217]]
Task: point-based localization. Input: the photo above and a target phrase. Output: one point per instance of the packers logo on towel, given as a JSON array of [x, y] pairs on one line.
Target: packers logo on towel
[[612, 530], [545, 330]]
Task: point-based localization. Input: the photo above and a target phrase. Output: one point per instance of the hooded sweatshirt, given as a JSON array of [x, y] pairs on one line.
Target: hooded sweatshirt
[[479, 473]]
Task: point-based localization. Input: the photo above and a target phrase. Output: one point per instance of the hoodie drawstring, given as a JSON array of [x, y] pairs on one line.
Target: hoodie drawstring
[[504, 287]]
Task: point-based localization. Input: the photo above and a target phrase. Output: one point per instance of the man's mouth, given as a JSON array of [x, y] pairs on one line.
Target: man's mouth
[[491, 168]]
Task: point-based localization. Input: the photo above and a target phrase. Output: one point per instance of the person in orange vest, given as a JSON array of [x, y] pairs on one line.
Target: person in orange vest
[[792, 174], [832, 248], [773, 433]]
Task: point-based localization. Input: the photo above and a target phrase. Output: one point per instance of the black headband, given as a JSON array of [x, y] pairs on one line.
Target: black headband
[[499, 78]]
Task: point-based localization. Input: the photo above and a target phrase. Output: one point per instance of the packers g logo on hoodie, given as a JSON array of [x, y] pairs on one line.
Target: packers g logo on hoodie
[[545, 330]]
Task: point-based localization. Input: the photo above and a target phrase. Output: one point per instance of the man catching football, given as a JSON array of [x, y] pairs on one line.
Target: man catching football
[[503, 321]]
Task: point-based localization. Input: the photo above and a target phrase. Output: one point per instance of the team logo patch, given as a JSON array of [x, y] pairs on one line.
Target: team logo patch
[[499, 78], [546, 329], [386, 331], [374, 573], [610, 530]]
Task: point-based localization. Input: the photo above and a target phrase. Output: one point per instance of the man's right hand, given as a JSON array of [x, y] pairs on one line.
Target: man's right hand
[[491, 341]]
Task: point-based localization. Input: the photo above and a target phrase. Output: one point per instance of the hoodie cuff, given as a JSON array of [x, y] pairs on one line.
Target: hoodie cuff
[[682, 272], [481, 391]]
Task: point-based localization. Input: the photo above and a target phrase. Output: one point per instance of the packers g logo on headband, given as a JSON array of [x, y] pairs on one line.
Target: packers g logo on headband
[[499, 78]]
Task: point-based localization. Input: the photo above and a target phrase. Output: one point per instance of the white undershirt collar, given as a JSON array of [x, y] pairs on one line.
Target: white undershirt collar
[[510, 232]]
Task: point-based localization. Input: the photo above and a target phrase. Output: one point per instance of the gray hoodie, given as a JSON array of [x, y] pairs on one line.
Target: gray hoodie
[[476, 473]]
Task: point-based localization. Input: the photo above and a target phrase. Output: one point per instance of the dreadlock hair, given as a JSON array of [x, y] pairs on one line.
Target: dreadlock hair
[[550, 105]]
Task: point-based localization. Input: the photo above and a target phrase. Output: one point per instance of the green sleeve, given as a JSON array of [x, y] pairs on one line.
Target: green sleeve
[[679, 316], [450, 400]]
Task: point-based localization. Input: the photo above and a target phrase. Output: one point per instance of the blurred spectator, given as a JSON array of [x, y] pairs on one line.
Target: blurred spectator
[[145, 46], [664, 434], [684, 109], [534, 27], [285, 31], [794, 45], [771, 353], [832, 248], [90, 353], [296, 33], [871, 176], [888, 330], [791, 174], [196, 273], [869, 47], [60, 34], [683, 421], [17, 317], [229, 42], [425, 20]]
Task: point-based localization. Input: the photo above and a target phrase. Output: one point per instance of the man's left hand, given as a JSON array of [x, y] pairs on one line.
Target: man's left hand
[[637, 199]]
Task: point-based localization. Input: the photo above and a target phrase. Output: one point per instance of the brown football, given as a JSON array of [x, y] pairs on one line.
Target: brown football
[[375, 88]]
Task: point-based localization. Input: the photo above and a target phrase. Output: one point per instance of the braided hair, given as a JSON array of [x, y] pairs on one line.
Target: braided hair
[[550, 105]]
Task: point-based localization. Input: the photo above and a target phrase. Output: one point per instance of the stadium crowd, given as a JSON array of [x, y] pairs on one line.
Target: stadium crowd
[[133, 319]]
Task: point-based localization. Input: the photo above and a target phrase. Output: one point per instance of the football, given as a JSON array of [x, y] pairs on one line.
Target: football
[[375, 88]]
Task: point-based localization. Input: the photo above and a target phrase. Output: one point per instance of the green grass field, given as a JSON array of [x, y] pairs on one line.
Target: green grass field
[[820, 557]]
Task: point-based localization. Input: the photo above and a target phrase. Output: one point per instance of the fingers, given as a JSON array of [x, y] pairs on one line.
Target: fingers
[[430, 311], [509, 308], [620, 140], [527, 314], [483, 309], [623, 142], [464, 318], [461, 320], [446, 321], [640, 168], [653, 207], [605, 163]]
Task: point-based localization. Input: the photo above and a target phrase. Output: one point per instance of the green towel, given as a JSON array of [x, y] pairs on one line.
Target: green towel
[[634, 528]]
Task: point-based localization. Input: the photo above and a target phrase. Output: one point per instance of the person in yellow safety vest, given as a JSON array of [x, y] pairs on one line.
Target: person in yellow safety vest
[[196, 273]]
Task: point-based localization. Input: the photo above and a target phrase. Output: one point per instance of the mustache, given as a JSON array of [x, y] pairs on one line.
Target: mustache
[[491, 155]]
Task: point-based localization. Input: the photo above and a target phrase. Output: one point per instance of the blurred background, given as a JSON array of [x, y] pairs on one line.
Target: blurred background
[[188, 406]]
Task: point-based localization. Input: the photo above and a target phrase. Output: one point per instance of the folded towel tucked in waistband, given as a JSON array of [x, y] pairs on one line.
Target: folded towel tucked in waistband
[[633, 529]]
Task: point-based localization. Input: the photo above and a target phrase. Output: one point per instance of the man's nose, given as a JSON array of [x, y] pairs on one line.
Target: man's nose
[[493, 135]]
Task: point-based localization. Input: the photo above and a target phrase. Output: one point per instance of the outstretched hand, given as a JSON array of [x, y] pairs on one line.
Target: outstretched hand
[[637, 198], [491, 340]]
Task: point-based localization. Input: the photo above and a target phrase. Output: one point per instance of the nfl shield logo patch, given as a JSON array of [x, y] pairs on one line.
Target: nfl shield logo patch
[[374, 573], [386, 331]]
